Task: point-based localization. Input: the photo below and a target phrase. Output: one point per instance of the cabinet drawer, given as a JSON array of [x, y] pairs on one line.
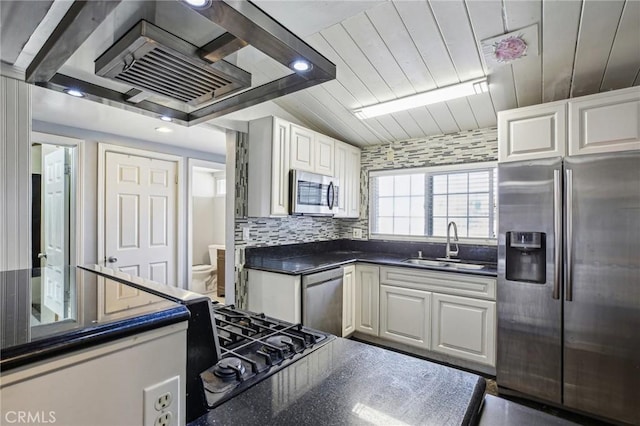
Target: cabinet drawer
[[441, 282]]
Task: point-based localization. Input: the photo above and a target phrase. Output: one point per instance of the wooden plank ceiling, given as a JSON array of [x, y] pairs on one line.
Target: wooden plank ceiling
[[398, 48]]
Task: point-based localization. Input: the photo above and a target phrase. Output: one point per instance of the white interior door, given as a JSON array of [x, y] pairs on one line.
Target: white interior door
[[55, 229], [140, 217]]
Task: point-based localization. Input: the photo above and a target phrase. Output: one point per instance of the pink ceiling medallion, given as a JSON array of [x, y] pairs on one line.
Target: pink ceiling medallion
[[515, 46], [509, 49]]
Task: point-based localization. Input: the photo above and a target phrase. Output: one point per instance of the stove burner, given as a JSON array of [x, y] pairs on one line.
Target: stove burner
[[279, 341], [229, 368]]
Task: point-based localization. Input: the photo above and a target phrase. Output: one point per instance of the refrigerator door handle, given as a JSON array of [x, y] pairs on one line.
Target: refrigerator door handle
[[569, 239], [557, 233]]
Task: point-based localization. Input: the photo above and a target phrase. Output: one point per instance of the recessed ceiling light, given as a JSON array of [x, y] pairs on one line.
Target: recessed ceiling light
[[198, 4], [163, 130], [166, 118], [75, 93], [301, 65]]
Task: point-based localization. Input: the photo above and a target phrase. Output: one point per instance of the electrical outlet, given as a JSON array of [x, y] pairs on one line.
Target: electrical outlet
[[357, 233], [162, 403], [164, 419], [390, 154], [245, 234]]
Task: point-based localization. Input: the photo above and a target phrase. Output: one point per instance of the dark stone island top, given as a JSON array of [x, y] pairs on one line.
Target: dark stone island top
[[306, 258], [351, 383], [51, 311]]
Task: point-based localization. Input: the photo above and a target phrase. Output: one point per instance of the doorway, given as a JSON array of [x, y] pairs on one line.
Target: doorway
[[54, 170], [206, 228]]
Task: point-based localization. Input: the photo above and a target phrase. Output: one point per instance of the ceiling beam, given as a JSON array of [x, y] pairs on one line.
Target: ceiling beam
[[82, 18]]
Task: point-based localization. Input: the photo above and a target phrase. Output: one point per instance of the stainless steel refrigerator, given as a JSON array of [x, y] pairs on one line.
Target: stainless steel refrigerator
[[569, 282]]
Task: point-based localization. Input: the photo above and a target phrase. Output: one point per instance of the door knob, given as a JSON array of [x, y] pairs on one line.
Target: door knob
[[42, 255], [112, 259]]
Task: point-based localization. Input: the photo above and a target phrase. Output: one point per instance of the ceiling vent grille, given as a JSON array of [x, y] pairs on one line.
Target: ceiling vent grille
[[153, 60]]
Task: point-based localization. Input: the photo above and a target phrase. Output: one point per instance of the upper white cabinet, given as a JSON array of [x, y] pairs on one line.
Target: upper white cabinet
[[302, 148], [348, 300], [347, 170], [324, 155], [268, 180], [276, 146], [603, 122], [532, 132], [311, 151], [367, 299]]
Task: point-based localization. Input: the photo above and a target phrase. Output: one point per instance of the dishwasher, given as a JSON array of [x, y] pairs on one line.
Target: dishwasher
[[322, 301]]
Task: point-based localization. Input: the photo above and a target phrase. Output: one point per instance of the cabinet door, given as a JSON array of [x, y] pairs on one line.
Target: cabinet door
[[280, 168], [340, 172], [367, 299], [464, 328], [605, 122], [301, 150], [348, 302], [353, 182], [532, 132], [405, 315], [323, 160]]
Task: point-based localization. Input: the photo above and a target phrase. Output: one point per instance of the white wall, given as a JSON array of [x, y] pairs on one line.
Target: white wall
[[15, 174], [208, 215]]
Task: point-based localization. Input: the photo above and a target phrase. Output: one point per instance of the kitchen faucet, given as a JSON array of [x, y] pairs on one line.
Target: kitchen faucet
[[450, 252]]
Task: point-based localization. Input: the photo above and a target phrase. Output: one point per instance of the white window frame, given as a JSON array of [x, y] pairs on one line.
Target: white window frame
[[431, 170]]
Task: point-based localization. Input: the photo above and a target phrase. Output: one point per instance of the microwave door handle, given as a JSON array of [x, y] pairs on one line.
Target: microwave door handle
[[330, 196]]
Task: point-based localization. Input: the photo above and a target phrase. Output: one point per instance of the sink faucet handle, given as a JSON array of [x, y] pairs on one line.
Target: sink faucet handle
[[419, 254]]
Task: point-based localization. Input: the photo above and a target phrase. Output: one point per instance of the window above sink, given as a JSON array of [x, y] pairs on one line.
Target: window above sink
[[418, 203]]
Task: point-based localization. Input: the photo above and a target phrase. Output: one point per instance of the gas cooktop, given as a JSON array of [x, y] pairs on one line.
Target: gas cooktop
[[253, 347]]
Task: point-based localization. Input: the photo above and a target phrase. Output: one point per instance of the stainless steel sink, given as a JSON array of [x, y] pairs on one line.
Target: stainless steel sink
[[445, 264]]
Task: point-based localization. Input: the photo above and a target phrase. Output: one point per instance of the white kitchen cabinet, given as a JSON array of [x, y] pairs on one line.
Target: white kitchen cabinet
[[532, 132], [268, 174], [605, 122], [464, 327], [367, 299], [347, 170], [348, 300], [405, 315], [276, 295], [600, 123], [324, 155], [302, 149]]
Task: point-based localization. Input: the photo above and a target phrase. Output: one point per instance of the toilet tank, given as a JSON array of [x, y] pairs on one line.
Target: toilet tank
[[213, 254]]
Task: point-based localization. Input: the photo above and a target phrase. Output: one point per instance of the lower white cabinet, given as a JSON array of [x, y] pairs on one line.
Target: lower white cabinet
[[405, 315], [348, 300], [276, 295], [367, 299], [464, 327]]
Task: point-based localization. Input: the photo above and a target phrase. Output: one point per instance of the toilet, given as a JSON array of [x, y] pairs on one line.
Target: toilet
[[202, 276]]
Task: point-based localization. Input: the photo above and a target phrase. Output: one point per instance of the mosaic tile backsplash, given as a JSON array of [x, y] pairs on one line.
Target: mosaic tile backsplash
[[455, 148]]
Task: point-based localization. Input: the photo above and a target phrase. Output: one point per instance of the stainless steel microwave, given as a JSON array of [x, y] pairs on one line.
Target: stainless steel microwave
[[313, 194]]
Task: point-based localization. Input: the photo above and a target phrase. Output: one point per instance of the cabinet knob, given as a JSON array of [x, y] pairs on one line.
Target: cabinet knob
[[112, 259]]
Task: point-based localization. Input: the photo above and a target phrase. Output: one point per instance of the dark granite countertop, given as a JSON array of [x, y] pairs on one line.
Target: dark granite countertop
[[40, 322], [316, 262], [347, 382]]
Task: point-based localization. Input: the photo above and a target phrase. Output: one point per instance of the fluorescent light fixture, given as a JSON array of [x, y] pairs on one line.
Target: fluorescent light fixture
[[163, 130], [461, 90]]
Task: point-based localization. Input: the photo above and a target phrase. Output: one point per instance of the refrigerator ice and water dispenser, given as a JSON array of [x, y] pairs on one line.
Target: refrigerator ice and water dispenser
[[526, 257]]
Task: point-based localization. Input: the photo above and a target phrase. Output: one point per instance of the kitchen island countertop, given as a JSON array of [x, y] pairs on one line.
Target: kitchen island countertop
[[347, 382]]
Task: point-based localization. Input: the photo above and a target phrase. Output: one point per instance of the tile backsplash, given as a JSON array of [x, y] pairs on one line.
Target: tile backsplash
[[455, 148]]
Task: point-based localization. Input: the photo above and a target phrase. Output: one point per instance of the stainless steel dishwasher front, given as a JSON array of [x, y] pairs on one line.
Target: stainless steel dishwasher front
[[322, 301]]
